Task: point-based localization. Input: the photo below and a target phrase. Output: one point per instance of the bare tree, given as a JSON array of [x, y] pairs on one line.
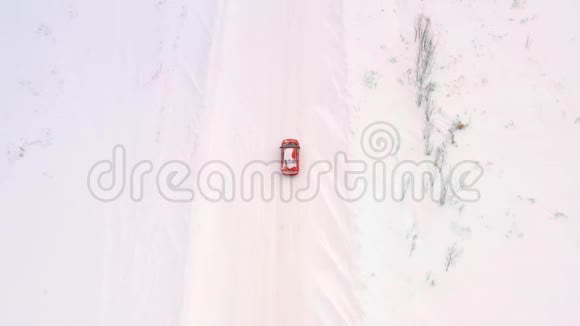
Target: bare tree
[[451, 256]]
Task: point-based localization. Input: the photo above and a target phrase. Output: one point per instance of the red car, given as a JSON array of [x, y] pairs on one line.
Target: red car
[[290, 156]]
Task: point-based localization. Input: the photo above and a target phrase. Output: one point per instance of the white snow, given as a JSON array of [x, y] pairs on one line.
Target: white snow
[[205, 81]]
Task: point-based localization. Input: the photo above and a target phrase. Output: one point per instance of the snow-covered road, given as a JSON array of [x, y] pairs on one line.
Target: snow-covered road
[[277, 72]]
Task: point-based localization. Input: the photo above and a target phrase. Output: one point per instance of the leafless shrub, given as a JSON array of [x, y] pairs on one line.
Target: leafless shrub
[[405, 186], [441, 166], [451, 256], [559, 215], [412, 236], [444, 192], [429, 109], [371, 79], [413, 245], [516, 3], [429, 279], [457, 125], [425, 58], [440, 157], [423, 68], [427, 137], [424, 63], [528, 42]]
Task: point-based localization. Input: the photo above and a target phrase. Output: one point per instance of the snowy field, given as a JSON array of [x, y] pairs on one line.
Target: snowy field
[[134, 136]]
